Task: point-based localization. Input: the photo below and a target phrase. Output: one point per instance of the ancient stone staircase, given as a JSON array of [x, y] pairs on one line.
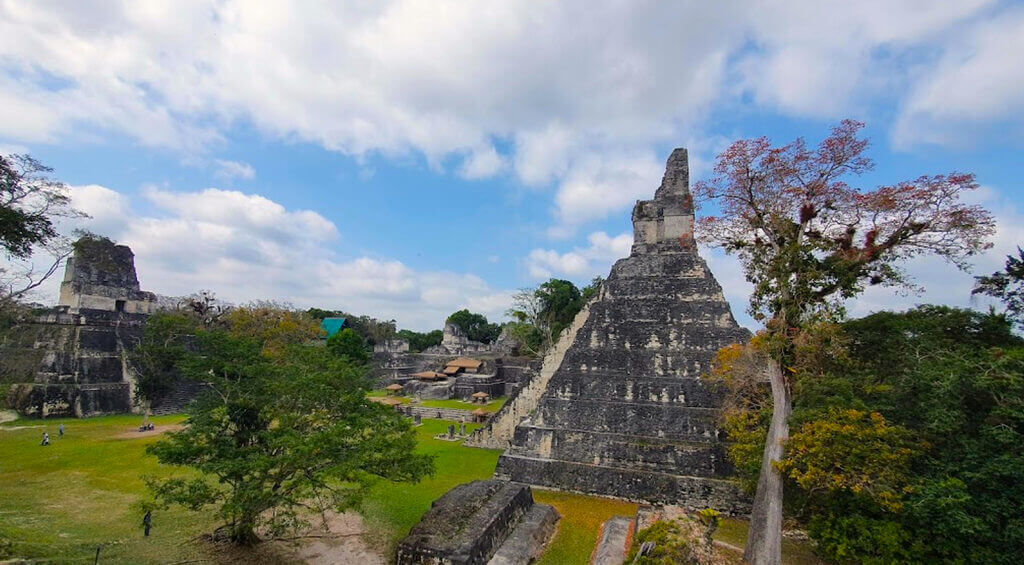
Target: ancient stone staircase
[[177, 400]]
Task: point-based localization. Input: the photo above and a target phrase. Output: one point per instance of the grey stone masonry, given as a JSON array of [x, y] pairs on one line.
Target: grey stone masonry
[[476, 521], [84, 370], [627, 413]]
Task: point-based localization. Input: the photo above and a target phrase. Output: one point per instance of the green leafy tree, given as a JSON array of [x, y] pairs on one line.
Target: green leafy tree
[[560, 301], [278, 435], [807, 240], [591, 289], [418, 341], [909, 439], [347, 343], [164, 345], [475, 326], [1006, 285]]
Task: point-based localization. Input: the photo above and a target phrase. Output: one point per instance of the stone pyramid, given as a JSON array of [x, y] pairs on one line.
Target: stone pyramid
[[619, 408]]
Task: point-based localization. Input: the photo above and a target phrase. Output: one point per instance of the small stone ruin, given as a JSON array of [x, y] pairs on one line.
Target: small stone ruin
[[492, 521], [85, 340]]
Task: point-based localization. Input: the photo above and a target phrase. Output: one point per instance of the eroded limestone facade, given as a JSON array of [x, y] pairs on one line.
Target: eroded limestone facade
[[99, 319], [620, 408]]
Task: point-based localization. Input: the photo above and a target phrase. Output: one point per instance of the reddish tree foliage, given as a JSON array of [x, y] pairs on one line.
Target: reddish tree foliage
[[806, 237], [807, 241]]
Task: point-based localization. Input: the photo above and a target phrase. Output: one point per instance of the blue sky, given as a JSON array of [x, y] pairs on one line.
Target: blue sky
[[406, 159]]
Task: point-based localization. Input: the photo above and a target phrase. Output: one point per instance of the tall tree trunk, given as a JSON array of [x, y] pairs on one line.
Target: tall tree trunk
[[764, 542]]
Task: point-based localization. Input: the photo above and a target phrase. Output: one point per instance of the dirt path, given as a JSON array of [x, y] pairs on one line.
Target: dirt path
[[134, 434], [342, 542]]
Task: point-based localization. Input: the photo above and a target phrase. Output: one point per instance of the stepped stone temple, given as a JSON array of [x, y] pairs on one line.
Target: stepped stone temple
[[619, 407], [82, 369]]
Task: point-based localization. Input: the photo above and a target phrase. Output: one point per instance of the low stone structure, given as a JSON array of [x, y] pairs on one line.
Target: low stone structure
[[84, 368], [619, 407], [455, 342], [477, 523]]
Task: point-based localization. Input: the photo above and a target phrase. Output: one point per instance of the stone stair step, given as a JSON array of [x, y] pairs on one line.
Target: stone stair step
[[611, 546], [630, 484], [527, 540]]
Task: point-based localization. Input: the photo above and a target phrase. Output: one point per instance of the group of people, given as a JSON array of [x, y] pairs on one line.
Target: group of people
[[46, 435]]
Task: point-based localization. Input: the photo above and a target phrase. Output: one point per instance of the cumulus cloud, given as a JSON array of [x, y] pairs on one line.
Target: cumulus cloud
[[482, 163], [576, 94], [582, 262], [230, 170], [978, 82], [247, 247]]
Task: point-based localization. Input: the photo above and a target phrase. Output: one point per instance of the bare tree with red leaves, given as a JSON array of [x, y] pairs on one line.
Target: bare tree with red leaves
[[808, 241]]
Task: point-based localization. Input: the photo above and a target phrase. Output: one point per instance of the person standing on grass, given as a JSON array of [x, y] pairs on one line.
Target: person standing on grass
[[147, 521], [46, 439], [60, 431]]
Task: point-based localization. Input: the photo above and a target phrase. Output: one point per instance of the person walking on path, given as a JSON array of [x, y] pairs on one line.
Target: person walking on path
[[60, 431], [147, 521], [46, 439]]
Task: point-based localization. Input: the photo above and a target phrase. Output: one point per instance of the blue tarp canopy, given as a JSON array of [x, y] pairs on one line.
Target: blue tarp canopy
[[332, 325]]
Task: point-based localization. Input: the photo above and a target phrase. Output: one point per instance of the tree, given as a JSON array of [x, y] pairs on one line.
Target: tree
[[540, 314], [275, 436], [347, 343], [560, 301], [164, 345], [418, 341], [475, 326], [275, 326], [909, 435], [1006, 285], [591, 289], [31, 203], [807, 241]]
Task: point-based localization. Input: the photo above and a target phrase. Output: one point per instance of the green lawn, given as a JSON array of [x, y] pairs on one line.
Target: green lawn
[[492, 406], [59, 502], [392, 509], [582, 517]]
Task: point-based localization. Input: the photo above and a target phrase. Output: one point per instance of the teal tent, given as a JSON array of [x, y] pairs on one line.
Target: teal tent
[[332, 325]]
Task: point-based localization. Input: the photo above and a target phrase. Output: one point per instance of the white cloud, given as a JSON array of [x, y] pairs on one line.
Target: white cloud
[[482, 163], [247, 247], [581, 93], [978, 82], [230, 170], [582, 262]]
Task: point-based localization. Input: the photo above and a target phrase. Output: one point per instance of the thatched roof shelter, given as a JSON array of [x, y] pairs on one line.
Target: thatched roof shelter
[[465, 363], [428, 376]]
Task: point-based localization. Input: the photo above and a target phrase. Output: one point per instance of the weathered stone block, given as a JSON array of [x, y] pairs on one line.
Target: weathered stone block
[[466, 525]]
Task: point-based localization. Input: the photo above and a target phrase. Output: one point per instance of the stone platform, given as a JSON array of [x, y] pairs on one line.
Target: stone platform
[[480, 522]]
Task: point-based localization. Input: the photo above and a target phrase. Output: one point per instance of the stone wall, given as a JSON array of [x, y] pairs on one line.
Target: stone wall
[[454, 414], [83, 368]]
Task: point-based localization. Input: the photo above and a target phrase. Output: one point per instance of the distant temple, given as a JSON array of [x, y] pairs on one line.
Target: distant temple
[[85, 340]]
